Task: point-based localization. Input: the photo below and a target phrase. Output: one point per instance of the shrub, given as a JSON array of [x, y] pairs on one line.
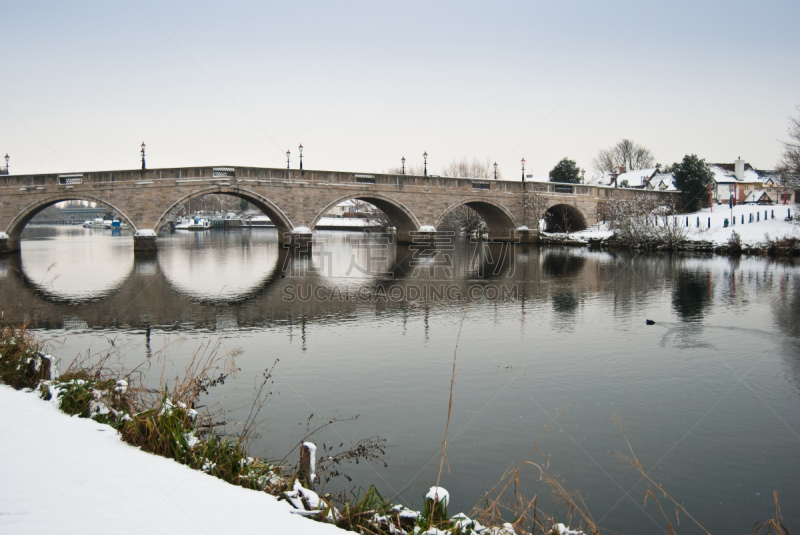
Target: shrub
[[642, 222], [21, 364], [787, 246], [735, 244]]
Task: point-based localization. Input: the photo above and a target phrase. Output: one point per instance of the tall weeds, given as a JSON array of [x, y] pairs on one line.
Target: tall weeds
[[21, 363]]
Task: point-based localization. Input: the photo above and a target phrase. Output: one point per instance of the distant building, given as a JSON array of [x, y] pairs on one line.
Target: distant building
[[757, 197], [342, 208], [738, 180], [636, 179], [661, 182]]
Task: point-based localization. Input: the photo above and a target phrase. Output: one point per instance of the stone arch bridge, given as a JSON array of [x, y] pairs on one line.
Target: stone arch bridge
[[295, 200]]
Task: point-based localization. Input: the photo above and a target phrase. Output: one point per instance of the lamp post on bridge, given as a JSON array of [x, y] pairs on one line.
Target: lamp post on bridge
[[523, 169], [425, 157], [403, 163], [784, 189], [142, 151], [287, 158], [301, 156], [495, 170]]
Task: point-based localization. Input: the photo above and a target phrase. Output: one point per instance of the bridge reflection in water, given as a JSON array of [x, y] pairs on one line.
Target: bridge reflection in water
[[254, 281]]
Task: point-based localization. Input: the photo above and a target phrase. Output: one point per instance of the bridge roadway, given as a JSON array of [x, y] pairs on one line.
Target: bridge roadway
[[295, 200]]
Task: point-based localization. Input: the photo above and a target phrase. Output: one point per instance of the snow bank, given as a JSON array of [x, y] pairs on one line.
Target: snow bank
[[752, 234], [74, 475]]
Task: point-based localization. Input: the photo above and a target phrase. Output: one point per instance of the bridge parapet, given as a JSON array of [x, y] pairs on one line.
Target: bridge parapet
[[293, 199], [232, 174]]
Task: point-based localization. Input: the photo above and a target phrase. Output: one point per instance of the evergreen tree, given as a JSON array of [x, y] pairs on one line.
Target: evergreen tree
[[692, 177], [566, 171]]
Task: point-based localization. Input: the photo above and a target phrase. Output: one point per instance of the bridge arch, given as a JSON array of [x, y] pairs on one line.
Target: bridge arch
[[269, 208], [564, 218], [498, 218], [29, 212], [400, 216]]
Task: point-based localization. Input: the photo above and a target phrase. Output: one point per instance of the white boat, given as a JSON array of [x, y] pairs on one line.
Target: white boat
[[199, 223], [183, 224], [260, 221], [95, 223]]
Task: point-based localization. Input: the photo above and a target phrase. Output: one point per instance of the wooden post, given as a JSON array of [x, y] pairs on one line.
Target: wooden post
[[305, 465]]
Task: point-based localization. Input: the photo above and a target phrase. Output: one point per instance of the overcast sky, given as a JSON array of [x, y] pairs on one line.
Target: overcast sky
[[362, 83]]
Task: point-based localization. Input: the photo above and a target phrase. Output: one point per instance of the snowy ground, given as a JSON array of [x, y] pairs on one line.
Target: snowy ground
[[74, 475], [752, 233]]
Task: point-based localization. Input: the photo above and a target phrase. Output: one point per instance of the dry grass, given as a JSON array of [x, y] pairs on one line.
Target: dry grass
[[773, 525], [654, 489], [21, 363]]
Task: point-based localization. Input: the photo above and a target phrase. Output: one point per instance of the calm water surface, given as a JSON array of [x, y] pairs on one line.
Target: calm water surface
[[709, 395]]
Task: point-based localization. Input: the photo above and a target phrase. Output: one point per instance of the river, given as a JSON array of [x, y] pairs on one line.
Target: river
[[709, 395]]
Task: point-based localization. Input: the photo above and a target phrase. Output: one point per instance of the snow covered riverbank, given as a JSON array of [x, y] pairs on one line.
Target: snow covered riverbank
[[64, 474], [755, 224]]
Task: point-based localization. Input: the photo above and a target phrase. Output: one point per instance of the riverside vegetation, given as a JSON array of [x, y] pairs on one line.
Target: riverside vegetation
[[164, 421]]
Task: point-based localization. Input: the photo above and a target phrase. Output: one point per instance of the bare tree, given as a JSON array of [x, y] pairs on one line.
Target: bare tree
[[789, 164], [416, 170], [534, 204], [645, 222], [462, 219], [625, 153], [464, 168]]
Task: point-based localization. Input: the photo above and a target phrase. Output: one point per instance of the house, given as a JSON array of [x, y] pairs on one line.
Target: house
[[739, 179], [661, 182], [636, 179], [342, 208], [604, 179], [757, 197], [621, 178]]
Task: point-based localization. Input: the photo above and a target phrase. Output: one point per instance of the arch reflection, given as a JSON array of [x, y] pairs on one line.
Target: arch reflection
[[221, 267], [84, 267]]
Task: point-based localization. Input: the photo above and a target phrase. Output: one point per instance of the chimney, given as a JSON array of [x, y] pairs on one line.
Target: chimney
[[738, 169], [620, 169]]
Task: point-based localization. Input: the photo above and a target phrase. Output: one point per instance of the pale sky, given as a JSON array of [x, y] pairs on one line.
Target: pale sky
[[361, 84]]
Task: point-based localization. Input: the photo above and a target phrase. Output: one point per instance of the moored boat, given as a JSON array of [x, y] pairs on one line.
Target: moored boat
[[199, 223], [261, 221]]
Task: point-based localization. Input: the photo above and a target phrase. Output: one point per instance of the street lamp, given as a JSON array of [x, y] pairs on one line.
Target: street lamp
[[142, 151], [523, 169], [287, 158], [301, 156], [403, 162], [784, 189], [495, 170], [425, 156], [583, 175]]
